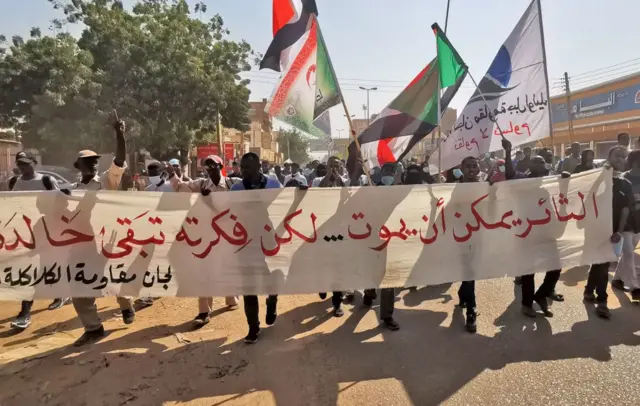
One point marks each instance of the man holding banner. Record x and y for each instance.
(214, 182)
(537, 169)
(87, 164)
(253, 179)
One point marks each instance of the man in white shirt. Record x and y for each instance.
(87, 164)
(295, 175)
(157, 183)
(214, 182)
(29, 180)
(157, 180)
(333, 177)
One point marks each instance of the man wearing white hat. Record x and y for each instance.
(87, 164)
(214, 182)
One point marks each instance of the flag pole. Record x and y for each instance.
(346, 112)
(546, 79)
(439, 128)
(446, 23)
(484, 100)
(365, 168)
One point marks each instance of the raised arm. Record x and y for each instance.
(509, 171)
(121, 146)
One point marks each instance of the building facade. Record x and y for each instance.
(598, 114)
(260, 138)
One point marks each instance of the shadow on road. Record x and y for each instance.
(301, 366)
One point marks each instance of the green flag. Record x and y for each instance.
(451, 66)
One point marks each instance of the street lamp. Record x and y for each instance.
(368, 111)
(340, 132)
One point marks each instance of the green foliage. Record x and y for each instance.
(293, 141)
(166, 71)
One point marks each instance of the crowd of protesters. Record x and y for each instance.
(253, 173)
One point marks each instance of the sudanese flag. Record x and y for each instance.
(413, 114)
(291, 20)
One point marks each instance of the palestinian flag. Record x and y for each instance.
(413, 114)
(291, 20)
(308, 87)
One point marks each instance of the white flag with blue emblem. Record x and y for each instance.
(515, 89)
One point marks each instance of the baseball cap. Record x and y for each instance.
(26, 157)
(214, 158)
(174, 162)
(87, 153)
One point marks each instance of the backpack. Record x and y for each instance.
(46, 181)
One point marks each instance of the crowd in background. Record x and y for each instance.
(252, 173)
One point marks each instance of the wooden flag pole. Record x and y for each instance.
(355, 139)
(546, 77)
(484, 100)
(446, 23)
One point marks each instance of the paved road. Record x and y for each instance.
(311, 358)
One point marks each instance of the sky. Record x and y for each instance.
(385, 43)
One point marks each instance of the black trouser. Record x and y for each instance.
(544, 291)
(336, 300)
(598, 281)
(252, 310)
(387, 301)
(467, 295)
(26, 308)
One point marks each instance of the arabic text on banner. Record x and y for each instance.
(516, 97)
(291, 241)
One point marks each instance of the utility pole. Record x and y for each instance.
(567, 90)
(368, 110)
(219, 134)
(288, 148)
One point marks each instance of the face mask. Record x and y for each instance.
(457, 173)
(501, 168)
(617, 248)
(154, 180)
(387, 180)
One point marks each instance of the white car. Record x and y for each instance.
(62, 182)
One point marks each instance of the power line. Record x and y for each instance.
(635, 61)
(606, 76)
(612, 70)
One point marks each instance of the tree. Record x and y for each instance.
(292, 140)
(47, 93)
(167, 73)
(171, 72)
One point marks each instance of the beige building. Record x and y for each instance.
(594, 116)
(260, 138)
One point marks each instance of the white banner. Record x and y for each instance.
(516, 98)
(293, 241)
